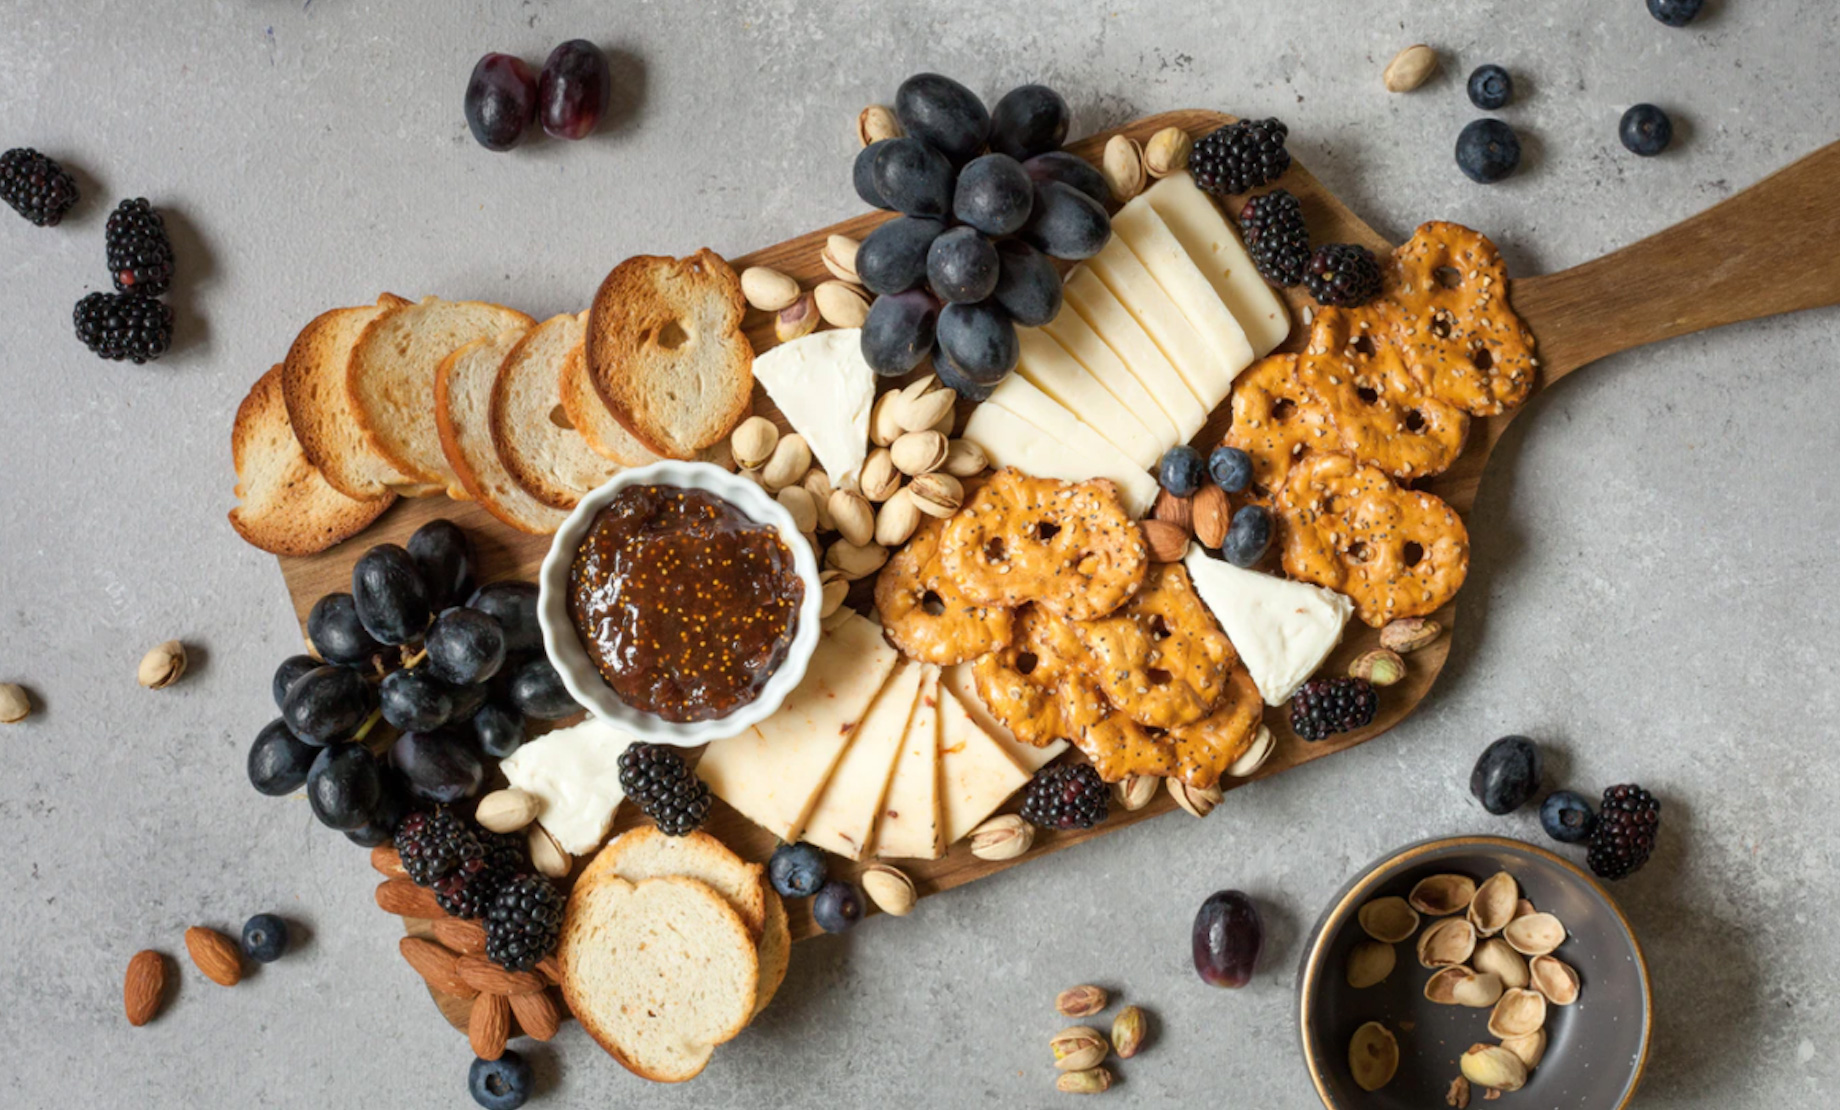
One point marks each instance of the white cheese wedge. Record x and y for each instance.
(1283, 630)
(1049, 368)
(843, 821)
(1203, 230)
(825, 390)
(1020, 426)
(975, 774)
(774, 772)
(1207, 371)
(1157, 248)
(910, 826)
(960, 681)
(574, 773)
(1077, 338)
(1136, 351)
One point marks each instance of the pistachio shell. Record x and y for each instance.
(964, 459)
(853, 516)
(1446, 943)
(875, 123)
(1197, 801)
(796, 320)
(835, 588)
(1134, 792)
(1492, 1066)
(1122, 165)
(918, 452)
(163, 665)
(1167, 152)
(1369, 963)
(798, 503)
(1254, 757)
(15, 705)
(1410, 68)
(1497, 957)
(1441, 988)
(1442, 895)
(839, 257)
(767, 289)
(892, 891)
(937, 494)
(1534, 935)
(855, 560)
(1478, 991)
(879, 479)
(842, 304)
(1493, 906)
(897, 520)
(883, 427)
(920, 413)
(753, 442)
(1373, 1056)
(1530, 1047)
(1519, 1013)
(1001, 838)
(1555, 979)
(790, 460)
(1524, 908)
(818, 484)
(1078, 1048)
(1389, 919)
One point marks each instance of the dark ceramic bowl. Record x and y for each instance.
(1596, 1048)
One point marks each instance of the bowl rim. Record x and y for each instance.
(570, 658)
(1344, 906)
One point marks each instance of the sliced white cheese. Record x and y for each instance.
(1137, 352)
(1077, 338)
(574, 773)
(1207, 372)
(1020, 426)
(843, 821)
(1049, 368)
(1283, 630)
(774, 772)
(909, 827)
(960, 681)
(975, 775)
(825, 390)
(1157, 248)
(1203, 230)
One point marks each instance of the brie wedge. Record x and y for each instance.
(825, 390)
(574, 773)
(1283, 630)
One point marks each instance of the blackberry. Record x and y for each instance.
(35, 186)
(656, 777)
(119, 326)
(523, 922)
(1065, 796)
(1627, 823)
(1276, 236)
(140, 255)
(468, 890)
(1346, 275)
(1326, 706)
(434, 843)
(1240, 157)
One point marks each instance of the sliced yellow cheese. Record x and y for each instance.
(960, 681)
(1207, 373)
(909, 827)
(1203, 230)
(1021, 426)
(1049, 368)
(1157, 248)
(1077, 338)
(774, 772)
(843, 821)
(975, 775)
(1136, 351)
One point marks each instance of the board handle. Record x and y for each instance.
(1773, 248)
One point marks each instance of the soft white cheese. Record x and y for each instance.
(826, 390)
(1283, 630)
(575, 773)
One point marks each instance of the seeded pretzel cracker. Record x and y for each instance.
(1040, 685)
(1382, 414)
(1205, 749)
(924, 613)
(1160, 658)
(1446, 300)
(1276, 420)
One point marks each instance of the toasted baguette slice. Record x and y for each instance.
(530, 428)
(391, 380)
(775, 951)
(462, 402)
(666, 353)
(606, 436)
(288, 507)
(658, 973)
(319, 408)
(646, 853)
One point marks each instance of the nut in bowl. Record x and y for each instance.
(1589, 1055)
(606, 551)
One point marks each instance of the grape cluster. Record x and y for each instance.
(568, 97)
(986, 198)
(453, 670)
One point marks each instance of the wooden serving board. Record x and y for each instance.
(1765, 251)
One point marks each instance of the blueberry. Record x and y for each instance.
(1506, 775)
(265, 938)
(1488, 150)
(1675, 13)
(837, 906)
(994, 194)
(943, 114)
(899, 331)
(290, 669)
(1182, 471)
(1029, 120)
(1247, 536)
(1567, 817)
(1230, 468)
(1646, 130)
(501, 1084)
(1490, 87)
(465, 646)
(279, 760)
(961, 266)
(796, 870)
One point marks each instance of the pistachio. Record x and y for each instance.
(1388, 919)
(1129, 1029)
(1493, 906)
(1408, 634)
(835, 588)
(15, 704)
(839, 257)
(818, 484)
(1441, 895)
(1492, 1066)
(918, 414)
(1123, 167)
(1518, 1013)
(1379, 667)
(890, 889)
(1446, 943)
(1084, 1000)
(1555, 979)
(897, 520)
(1497, 957)
(1530, 1047)
(1002, 838)
(878, 478)
(876, 123)
(841, 303)
(790, 460)
(1478, 990)
(1167, 152)
(767, 289)
(800, 318)
(753, 442)
(546, 855)
(1369, 963)
(855, 560)
(936, 494)
(507, 810)
(1441, 988)
(1373, 1056)
(804, 511)
(1524, 908)
(1534, 935)
(1134, 792)
(853, 517)
(163, 665)
(1254, 757)
(1092, 1081)
(918, 452)
(964, 459)
(1410, 68)
(883, 427)
(1198, 801)
(1078, 1048)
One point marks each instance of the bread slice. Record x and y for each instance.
(658, 973)
(319, 408)
(775, 951)
(531, 430)
(646, 853)
(666, 352)
(589, 415)
(288, 507)
(462, 402)
(391, 379)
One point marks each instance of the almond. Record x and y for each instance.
(536, 1014)
(1212, 516)
(405, 899)
(143, 992)
(387, 861)
(437, 965)
(489, 1026)
(1167, 542)
(468, 938)
(215, 954)
(551, 969)
(488, 978)
(1171, 509)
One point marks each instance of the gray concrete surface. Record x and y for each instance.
(1650, 595)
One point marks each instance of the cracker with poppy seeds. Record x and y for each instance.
(1275, 421)
(1446, 303)
(1040, 685)
(1380, 412)
(1160, 658)
(926, 615)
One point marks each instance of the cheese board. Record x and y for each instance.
(1762, 252)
